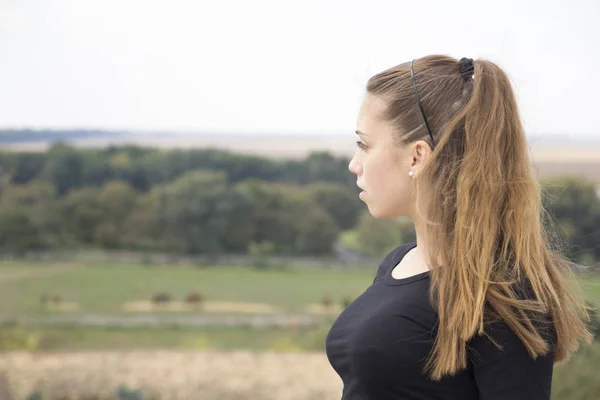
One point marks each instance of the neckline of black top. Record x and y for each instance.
(390, 280)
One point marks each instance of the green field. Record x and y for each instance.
(100, 289)
(590, 285)
(105, 288)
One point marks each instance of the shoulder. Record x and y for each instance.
(391, 258)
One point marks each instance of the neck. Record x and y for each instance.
(423, 244)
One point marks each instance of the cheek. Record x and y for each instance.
(393, 186)
(388, 192)
(374, 174)
(383, 174)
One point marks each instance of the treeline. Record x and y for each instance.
(209, 201)
(193, 201)
(69, 168)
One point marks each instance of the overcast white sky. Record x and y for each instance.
(281, 66)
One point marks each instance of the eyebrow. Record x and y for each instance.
(361, 133)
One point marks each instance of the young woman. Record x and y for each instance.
(481, 305)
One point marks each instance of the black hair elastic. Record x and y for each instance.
(412, 76)
(466, 68)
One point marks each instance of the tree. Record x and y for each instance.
(339, 201)
(574, 208)
(117, 200)
(285, 216)
(7, 166)
(107, 235)
(141, 228)
(36, 200)
(317, 166)
(198, 207)
(33, 194)
(239, 231)
(377, 236)
(323, 166)
(18, 233)
(64, 168)
(28, 167)
(267, 205)
(81, 212)
(96, 169)
(316, 231)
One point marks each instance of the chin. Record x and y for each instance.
(379, 212)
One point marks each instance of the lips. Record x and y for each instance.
(362, 191)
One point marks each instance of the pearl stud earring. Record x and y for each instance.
(411, 173)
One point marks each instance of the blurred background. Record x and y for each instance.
(177, 220)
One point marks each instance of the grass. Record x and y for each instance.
(177, 338)
(590, 286)
(578, 378)
(105, 288)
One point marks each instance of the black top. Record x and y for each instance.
(380, 343)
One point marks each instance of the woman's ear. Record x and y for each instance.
(420, 152)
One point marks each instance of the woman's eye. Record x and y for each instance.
(361, 145)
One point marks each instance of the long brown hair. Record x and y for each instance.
(483, 207)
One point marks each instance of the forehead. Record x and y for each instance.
(371, 115)
(372, 107)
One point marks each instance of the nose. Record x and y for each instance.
(354, 166)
